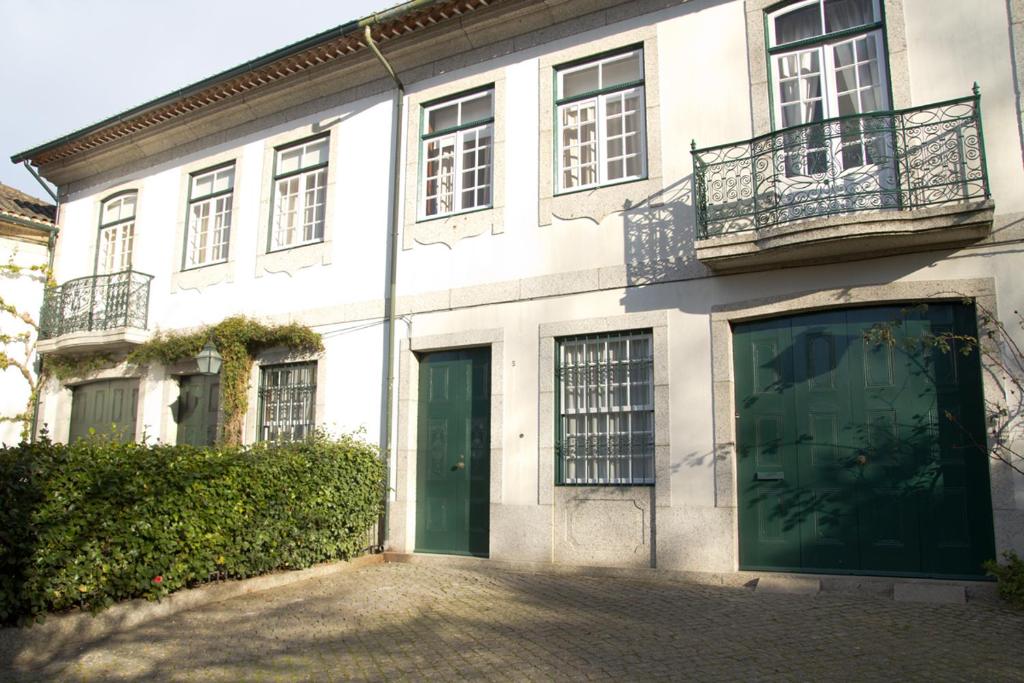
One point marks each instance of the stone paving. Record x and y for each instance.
(416, 622)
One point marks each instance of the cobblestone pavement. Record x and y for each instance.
(414, 622)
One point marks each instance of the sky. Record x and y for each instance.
(65, 64)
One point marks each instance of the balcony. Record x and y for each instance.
(97, 312)
(850, 187)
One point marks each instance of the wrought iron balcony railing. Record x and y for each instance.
(99, 302)
(902, 159)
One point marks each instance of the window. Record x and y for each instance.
(287, 401)
(300, 194)
(828, 60)
(606, 409)
(601, 129)
(117, 233)
(209, 216)
(457, 150)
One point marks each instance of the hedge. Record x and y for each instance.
(98, 521)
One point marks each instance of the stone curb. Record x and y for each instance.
(125, 615)
(810, 584)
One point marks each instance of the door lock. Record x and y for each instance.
(862, 459)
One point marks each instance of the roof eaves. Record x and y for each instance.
(326, 46)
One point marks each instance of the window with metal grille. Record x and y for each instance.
(457, 147)
(300, 194)
(605, 399)
(287, 401)
(601, 128)
(209, 216)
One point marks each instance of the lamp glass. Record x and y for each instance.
(209, 360)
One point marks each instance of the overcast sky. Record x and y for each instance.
(65, 64)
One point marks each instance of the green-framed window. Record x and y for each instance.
(601, 121)
(827, 60)
(457, 150)
(116, 233)
(300, 193)
(605, 395)
(211, 193)
(287, 401)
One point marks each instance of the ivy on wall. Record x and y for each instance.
(239, 340)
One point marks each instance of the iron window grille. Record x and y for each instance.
(116, 233)
(209, 216)
(287, 401)
(300, 193)
(605, 397)
(601, 128)
(457, 147)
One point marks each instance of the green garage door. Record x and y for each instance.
(861, 457)
(107, 407)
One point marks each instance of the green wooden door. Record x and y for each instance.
(107, 407)
(846, 461)
(453, 452)
(197, 409)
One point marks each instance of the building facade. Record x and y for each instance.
(26, 230)
(643, 252)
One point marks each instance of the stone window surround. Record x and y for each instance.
(200, 277)
(894, 33)
(599, 202)
(450, 229)
(407, 415)
(295, 258)
(657, 322)
(282, 356)
(981, 290)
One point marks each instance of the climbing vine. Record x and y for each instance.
(238, 340)
(22, 333)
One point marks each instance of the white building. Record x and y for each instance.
(26, 228)
(608, 349)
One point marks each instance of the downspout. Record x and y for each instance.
(51, 244)
(389, 298)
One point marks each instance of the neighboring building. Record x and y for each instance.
(609, 350)
(26, 227)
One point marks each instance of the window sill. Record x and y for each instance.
(201, 277)
(596, 203)
(450, 229)
(291, 259)
(592, 188)
(454, 214)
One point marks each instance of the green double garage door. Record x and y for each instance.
(857, 454)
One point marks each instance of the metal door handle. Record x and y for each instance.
(461, 464)
(862, 459)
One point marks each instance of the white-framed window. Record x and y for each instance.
(828, 61)
(209, 216)
(457, 149)
(287, 401)
(605, 392)
(117, 233)
(300, 193)
(601, 121)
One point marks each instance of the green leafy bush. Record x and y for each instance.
(98, 521)
(1010, 577)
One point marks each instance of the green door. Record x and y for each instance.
(107, 407)
(847, 459)
(197, 409)
(453, 452)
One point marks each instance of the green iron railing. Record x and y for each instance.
(904, 159)
(98, 302)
